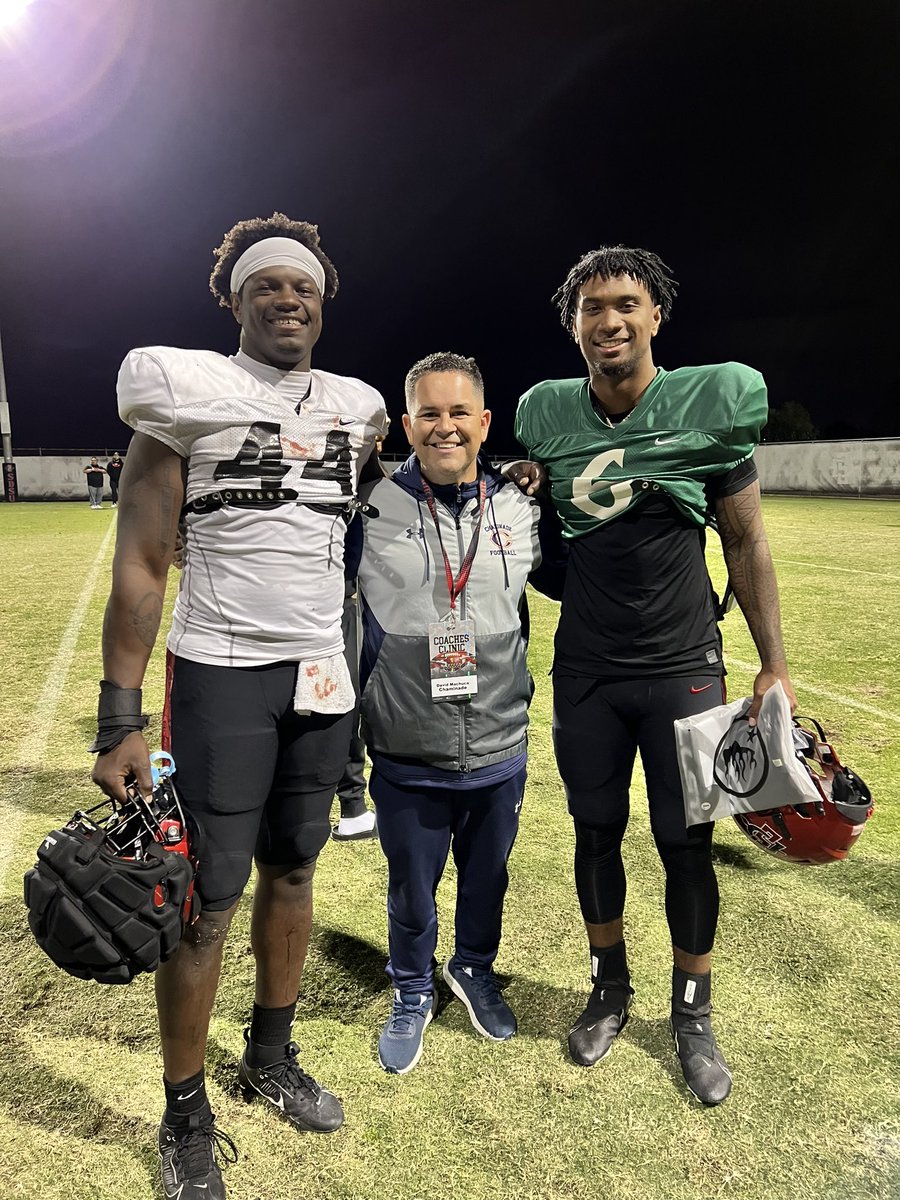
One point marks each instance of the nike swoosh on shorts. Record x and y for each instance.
(705, 687)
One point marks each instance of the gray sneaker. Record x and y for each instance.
(400, 1044)
(480, 993)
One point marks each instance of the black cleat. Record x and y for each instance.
(705, 1070)
(187, 1156)
(606, 1015)
(292, 1091)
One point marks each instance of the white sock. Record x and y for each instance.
(361, 824)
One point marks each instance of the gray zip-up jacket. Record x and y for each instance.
(403, 587)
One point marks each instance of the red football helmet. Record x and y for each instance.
(824, 830)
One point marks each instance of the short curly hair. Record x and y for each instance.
(243, 235)
(442, 360)
(641, 265)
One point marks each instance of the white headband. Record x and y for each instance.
(277, 252)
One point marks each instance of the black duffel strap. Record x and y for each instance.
(270, 498)
(241, 498)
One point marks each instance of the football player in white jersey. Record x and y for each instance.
(259, 454)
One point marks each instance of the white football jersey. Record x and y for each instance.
(258, 585)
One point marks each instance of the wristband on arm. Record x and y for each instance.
(118, 714)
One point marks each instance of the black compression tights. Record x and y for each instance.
(692, 892)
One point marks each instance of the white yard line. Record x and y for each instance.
(796, 562)
(843, 699)
(34, 748)
(716, 546)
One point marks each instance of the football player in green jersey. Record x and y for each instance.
(637, 459)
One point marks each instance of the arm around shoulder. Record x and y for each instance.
(550, 576)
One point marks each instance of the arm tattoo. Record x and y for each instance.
(145, 616)
(168, 520)
(750, 569)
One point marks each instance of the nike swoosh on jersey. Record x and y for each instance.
(346, 420)
(705, 687)
(665, 441)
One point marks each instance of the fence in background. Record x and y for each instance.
(864, 467)
(867, 467)
(57, 476)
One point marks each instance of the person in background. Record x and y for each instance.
(114, 470)
(95, 481)
(357, 823)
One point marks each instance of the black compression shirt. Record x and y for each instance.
(638, 599)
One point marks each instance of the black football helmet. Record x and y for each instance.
(112, 890)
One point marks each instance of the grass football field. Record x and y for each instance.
(805, 979)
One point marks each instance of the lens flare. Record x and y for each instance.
(66, 69)
(11, 11)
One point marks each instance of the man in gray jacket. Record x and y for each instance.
(448, 548)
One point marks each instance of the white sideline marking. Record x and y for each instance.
(796, 562)
(34, 747)
(847, 701)
(716, 546)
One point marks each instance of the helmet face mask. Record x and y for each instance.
(130, 829)
(822, 831)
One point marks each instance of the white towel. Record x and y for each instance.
(324, 686)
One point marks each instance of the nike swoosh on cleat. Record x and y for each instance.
(187, 1095)
(277, 1098)
(705, 687)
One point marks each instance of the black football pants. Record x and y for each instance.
(598, 729)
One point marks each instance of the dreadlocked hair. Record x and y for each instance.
(643, 266)
(243, 235)
(443, 360)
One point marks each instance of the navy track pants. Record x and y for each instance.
(417, 827)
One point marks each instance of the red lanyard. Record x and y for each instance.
(455, 586)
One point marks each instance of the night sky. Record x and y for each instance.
(457, 158)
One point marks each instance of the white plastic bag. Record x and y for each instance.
(729, 767)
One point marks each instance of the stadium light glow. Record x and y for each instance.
(11, 11)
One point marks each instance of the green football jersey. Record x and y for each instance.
(689, 424)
